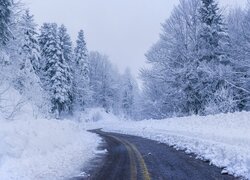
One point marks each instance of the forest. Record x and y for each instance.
(200, 65)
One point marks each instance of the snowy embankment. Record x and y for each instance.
(223, 139)
(40, 149)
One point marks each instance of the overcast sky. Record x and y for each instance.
(122, 29)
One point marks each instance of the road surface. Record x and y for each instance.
(135, 158)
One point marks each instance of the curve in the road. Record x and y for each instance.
(135, 158)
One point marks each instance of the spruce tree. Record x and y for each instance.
(81, 54)
(28, 81)
(66, 44)
(30, 45)
(29, 53)
(67, 51)
(57, 76)
(213, 62)
(5, 18)
(82, 92)
(212, 34)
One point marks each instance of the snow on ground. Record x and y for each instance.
(223, 139)
(43, 149)
(40, 149)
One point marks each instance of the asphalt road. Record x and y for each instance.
(135, 158)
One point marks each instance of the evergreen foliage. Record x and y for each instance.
(5, 19)
(82, 90)
(57, 76)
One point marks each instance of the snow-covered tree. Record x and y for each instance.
(57, 76)
(17, 47)
(30, 46)
(239, 32)
(129, 93)
(19, 67)
(5, 19)
(105, 83)
(67, 51)
(66, 44)
(29, 61)
(168, 84)
(214, 66)
(190, 64)
(82, 91)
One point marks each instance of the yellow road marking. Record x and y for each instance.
(133, 168)
(142, 163)
(133, 155)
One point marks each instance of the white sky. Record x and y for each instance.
(122, 29)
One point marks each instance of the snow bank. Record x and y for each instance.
(43, 149)
(37, 148)
(223, 139)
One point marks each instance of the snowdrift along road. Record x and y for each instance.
(223, 139)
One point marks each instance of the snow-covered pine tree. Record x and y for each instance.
(212, 34)
(82, 90)
(5, 18)
(29, 58)
(67, 50)
(214, 65)
(14, 47)
(45, 36)
(66, 44)
(29, 51)
(30, 45)
(57, 76)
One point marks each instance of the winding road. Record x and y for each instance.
(134, 158)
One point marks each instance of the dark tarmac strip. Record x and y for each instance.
(135, 158)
